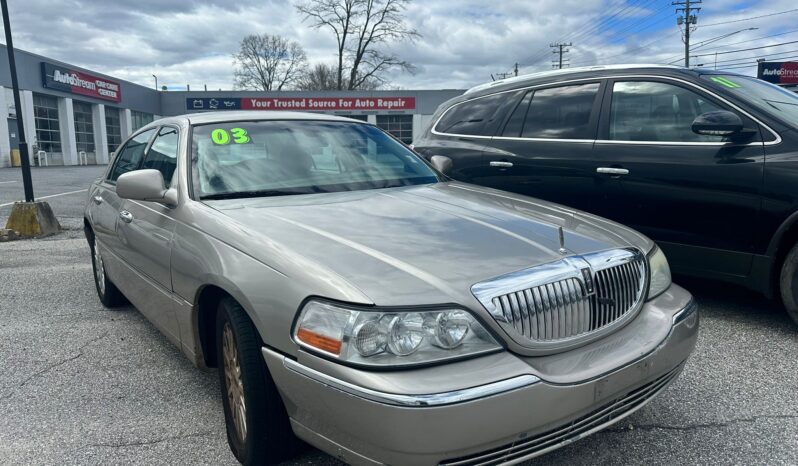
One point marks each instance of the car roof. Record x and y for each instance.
(554, 76)
(261, 115)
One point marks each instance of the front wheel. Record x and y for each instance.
(788, 283)
(258, 429)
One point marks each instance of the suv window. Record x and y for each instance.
(130, 156)
(162, 155)
(473, 117)
(655, 111)
(555, 113)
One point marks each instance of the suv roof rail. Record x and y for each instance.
(543, 74)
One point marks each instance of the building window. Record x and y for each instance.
(84, 127)
(113, 128)
(45, 115)
(400, 126)
(139, 119)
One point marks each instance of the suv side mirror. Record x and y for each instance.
(145, 185)
(441, 163)
(717, 123)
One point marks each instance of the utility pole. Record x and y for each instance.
(559, 49)
(688, 20)
(23, 144)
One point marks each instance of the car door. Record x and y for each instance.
(545, 147)
(105, 204)
(462, 131)
(697, 196)
(145, 230)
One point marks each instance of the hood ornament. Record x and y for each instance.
(562, 249)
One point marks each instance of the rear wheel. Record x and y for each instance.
(258, 429)
(108, 293)
(788, 283)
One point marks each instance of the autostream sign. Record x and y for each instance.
(301, 103)
(65, 79)
(778, 72)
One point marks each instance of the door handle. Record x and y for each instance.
(97, 199)
(612, 171)
(126, 216)
(501, 164)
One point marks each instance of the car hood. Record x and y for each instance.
(415, 245)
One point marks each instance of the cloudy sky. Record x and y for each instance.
(463, 42)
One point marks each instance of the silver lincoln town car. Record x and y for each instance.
(356, 298)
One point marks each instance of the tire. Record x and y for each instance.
(265, 437)
(108, 293)
(788, 283)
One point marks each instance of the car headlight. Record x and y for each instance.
(660, 273)
(383, 337)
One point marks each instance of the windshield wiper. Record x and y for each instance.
(246, 194)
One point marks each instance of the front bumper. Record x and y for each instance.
(496, 409)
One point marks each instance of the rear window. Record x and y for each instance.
(474, 117)
(554, 113)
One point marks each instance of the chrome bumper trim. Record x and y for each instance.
(681, 316)
(422, 400)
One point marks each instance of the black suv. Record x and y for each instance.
(703, 162)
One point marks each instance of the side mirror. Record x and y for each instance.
(718, 123)
(145, 185)
(441, 163)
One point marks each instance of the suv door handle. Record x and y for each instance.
(126, 216)
(501, 164)
(612, 171)
(97, 199)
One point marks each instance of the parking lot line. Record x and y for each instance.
(3, 182)
(48, 197)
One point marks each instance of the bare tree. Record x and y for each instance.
(269, 63)
(360, 28)
(320, 77)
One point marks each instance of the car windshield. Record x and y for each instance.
(272, 158)
(764, 95)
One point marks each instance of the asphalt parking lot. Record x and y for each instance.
(84, 385)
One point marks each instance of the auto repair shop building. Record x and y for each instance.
(76, 116)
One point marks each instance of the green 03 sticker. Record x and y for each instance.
(221, 136)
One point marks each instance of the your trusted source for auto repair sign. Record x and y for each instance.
(64, 79)
(301, 103)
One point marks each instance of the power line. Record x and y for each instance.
(587, 28)
(749, 19)
(753, 39)
(733, 61)
(737, 67)
(745, 50)
(739, 50)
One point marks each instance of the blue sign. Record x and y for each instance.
(213, 103)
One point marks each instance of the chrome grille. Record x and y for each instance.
(581, 427)
(567, 300)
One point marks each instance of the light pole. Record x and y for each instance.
(23, 144)
(156, 82)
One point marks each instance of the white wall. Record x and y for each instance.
(66, 125)
(5, 143)
(100, 133)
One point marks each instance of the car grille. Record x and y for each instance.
(568, 300)
(581, 427)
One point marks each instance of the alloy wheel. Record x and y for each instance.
(235, 388)
(99, 269)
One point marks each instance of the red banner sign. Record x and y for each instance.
(328, 103)
(77, 82)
